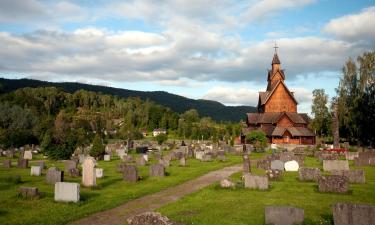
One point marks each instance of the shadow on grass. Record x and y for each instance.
(84, 197)
(109, 182)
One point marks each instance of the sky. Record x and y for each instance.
(202, 49)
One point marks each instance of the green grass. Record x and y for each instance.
(111, 191)
(213, 205)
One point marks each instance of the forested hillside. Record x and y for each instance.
(179, 104)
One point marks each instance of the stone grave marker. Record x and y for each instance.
(309, 174)
(333, 183)
(157, 170)
(365, 159)
(7, 163)
(354, 176)
(127, 158)
(107, 158)
(145, 156)
(99, 172)
(130, 173)
(351, 155)
(28, 155)
(207, 158)
(283, 215)
(277, 165)
(42, 164)
(69, 165)
(67, 192)
(141, 161)
(54, 175)
(246, 164)
(353, 214)
(23, 163)
(329, 165)
(291, 166)
(165, 162)
(28, 192)
(35, 171)
(88, 172)
(199, 155)
(183, 161)
(256, 182)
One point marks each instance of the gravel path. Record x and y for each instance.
(118, 215)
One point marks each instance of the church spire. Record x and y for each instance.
(275, 59)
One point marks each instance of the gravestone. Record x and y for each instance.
(256, 182)
(54, 175)
(66, 192)
(207, 158)
(309, 174)
(42, 164)
(199, 155)
(222, 158)
(35, 171)
(351, 155)
(99, 172)
(121, 167)
(328, 156)
(157, 156)
(283, 215)
(127, 158)
(365, 159)
(329, 165)
(145, 156)
(69, 164)
(190, 153)
(183, 161)
(353, 214)
(130, 173)
(7, 163)
(333, 183)
(88, 172)
(246, 164)
(23, 163)
(226, 183)
(107, 158)
(141, 161)
(157, 170)
(277, 165)
(165, 162)
(354, 176)
(264, 164)
(28, 192)
(10, 153)
(274, 174)
(28, 155)
(291, 166)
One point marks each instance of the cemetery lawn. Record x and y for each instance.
(213, 205)
(111, 191)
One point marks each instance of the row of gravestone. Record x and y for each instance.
(130, 172)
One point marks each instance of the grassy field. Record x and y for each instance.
(111, 191)
(240, 206)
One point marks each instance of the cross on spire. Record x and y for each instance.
(275, 47)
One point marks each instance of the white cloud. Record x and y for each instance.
(354, 27)
(232, 96)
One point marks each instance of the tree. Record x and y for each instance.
(257, 138)
(98, 149)
(161, 138)
(322, 118)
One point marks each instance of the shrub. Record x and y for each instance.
(257, 138)
(161, 138)
(98, 149)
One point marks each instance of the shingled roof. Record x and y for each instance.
(273, 131)
(273, 117)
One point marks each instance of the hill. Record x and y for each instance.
(216, 110)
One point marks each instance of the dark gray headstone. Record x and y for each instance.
(157, 170)
(23, 163)
(365, 159)
(353, 214)
(130, 173)
(69, 165)
(7, 163)
(309, 174)
(277, 165)
(283, 215)
(333, 183)
(28, 192)
(256, 182)
(54, 175)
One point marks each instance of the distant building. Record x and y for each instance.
(277, 112)
(158, 131)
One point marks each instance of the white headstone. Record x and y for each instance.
(145, 156)
(107, 157)
(28, 155)
(291, 166)
(199, 155)
(66, 192)
(36, 171)
(99, 173)
(273, 146)
(88, 172)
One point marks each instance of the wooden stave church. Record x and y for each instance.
(277, 112)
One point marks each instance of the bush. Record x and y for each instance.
(161, 138)
(257, 138)
(98, 149)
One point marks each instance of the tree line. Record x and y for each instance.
(354, 102)
(60, 122)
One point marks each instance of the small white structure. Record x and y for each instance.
(107, 158)
(291, 166)
(36, 171)
(66, 192)
(28, 155)
(159, 131)
(99, 172)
